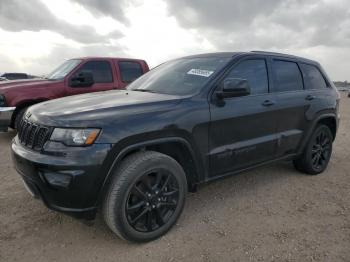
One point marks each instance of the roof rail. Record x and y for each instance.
(269, 53)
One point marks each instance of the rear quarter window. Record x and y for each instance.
(313, 78)
(286, 76)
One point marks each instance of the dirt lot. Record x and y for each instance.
(269, 214)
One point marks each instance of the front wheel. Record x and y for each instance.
(146, 196)
(18, 117)
(317, 152)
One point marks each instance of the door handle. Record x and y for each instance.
(310, 97)
(268, 103)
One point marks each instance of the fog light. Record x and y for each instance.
(57, 179)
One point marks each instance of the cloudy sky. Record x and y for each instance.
(37, 35)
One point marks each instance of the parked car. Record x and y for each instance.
(3, 78)
(75, 76)
(134, 154)
(16, 76)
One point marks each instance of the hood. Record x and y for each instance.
(100, 107)
(26, 83)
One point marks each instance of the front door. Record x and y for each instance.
(243, 129)
(102, 74)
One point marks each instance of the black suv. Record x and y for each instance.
(136, 153)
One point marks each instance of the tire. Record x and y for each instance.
(317, 152)
(19, 117)
(146, 196)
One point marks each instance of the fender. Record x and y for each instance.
(312, 128)
(198, 166)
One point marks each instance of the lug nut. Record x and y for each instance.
(153, 206)
(147, 204)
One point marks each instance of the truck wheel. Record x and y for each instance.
(145, 197)
(19, 117)
(317, 152)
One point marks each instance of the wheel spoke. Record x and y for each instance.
(166, 182)
(134, 221)
(159, 177)
(135, 207)
(149, 221)
(170, 193)
(159, 218)
(139, 192)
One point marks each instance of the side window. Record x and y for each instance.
(129, 71)
(101, 70)
(286, 76)
(255, 72)
(312, 77)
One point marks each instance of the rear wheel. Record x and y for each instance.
(317, 153)
(146, 196)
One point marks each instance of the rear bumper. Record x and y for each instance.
(68, 184)
(5, 117)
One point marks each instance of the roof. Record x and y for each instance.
(232, 54)
(105, 57)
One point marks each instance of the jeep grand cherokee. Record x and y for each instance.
(135, 153)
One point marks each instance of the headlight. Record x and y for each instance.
(75, 137)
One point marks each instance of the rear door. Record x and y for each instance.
(292, 104)
(128, 71)
(243, 129)
(103, 77)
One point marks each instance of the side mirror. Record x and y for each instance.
(233, 87)
(83, 79)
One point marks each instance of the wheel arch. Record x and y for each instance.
(329, 120)
(176, 147)
(22, 105)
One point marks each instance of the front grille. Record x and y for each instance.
(33, 135)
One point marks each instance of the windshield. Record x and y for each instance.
(184, 76)
(63, 70)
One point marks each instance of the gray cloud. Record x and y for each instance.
(112, 8)
(269, 23)
(16, 15)
(299, 26)
(60, 53)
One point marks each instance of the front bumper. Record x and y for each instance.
(45, 177)
(5, 117)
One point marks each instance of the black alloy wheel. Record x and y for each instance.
(152, 200)
(145, 197)
(317, 153)
(321, 150)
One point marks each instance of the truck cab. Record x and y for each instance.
(73, 77)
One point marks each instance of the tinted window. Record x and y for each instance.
(101, 70)
(286, 76)
(129, 71)
(312, 77)
(254, 71)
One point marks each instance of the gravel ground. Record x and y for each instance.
(272, 213)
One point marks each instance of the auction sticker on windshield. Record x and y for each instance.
(200, 72)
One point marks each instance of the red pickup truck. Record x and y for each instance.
(75, 76)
